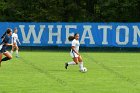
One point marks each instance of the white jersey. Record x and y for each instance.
(76, 44)
(15, 38)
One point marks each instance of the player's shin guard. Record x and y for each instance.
(16, 52)
(71, 63)
(5, 59)
(11, 52)
(81, 65)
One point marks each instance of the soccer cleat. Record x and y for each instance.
(66, 65)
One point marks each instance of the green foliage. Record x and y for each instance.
(70, 10)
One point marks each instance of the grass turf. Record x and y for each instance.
(43, 72)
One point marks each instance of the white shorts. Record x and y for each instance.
(73, 54)
(14, 43)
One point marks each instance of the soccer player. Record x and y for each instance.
(15, 40)
(4, 44)
(75, 52)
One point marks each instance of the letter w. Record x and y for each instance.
(26, 39)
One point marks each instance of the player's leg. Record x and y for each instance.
(8, 56)
(0, 58)
(17, 49)
(75, 60)
(80, 62)
(13, 47)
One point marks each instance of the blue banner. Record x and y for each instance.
(91, 34)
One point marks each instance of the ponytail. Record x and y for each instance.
(3, 35)
(70, 38)
(6, 32)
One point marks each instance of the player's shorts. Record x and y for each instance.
(3, 50)
(73, 54)
(15, 43)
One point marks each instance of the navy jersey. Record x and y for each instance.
(6, 39)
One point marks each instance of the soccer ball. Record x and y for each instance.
(84, 70)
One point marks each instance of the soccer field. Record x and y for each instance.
(44, 72)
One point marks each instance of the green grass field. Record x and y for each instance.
(43, 72)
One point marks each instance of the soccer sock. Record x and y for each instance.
(5, 59)
(11, 52)
(81, 65)
(16, 52)
(71, 63)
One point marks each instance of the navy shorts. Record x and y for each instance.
(3, 50)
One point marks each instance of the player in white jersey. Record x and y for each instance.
(75, 52)
(14, 42)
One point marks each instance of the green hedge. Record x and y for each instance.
(70, 10)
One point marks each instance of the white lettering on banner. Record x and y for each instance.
(68, 27)
(105, 29)
(58, 34)
(136, 34)
(26, 39)
(118, 29)
(86, 33)
(87, 30)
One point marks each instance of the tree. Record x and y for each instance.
(70, 10)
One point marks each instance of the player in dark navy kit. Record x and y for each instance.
(4, 44)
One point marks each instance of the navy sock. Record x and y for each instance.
(5, 59)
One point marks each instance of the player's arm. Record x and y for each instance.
(7, 44)
(13, 43)
(73, 48)
(18, 41)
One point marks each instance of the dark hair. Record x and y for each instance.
(8, 30)
(3, 35)
(70, 38)
(15, 28)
